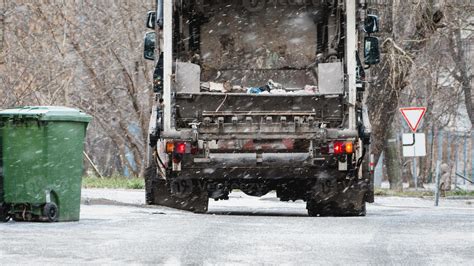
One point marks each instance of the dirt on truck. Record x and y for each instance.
(261, 96)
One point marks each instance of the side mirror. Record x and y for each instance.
(150, 45)
(151, 20)
(372, 24)
(371, 51)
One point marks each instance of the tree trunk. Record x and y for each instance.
(2, 31)
(462, 72)
(392, 160)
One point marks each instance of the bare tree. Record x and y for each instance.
(431, 86)
(401, 46)
(88, 55)
(460, 34)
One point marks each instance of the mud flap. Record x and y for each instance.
(345, 197)
(190, 197)
(197, 201)
(324, 189)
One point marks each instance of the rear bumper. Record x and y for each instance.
(266, 160)
(267, 166)
(259, 173)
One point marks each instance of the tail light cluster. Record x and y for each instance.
(338, 148)
(180, 148)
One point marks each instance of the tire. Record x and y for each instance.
(51, 212)
(332, 208)
(4, 213)
(321, 209)
(150, 176)
(158, 193)
(352, 211)
(367, 175)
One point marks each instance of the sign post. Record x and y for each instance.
(414, 145)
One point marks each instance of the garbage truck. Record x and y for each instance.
(261, 96)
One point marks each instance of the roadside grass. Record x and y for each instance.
(423, 193)
(114, 182)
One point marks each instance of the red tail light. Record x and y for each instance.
(180, 148)
(338, 148)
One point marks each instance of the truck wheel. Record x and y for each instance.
(352, 211)
(150, 176)
(158, 193)
(332, 208)
(321, 209)
(50, 211)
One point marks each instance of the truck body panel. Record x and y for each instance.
(260, 98)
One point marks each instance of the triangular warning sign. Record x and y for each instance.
(413, 116)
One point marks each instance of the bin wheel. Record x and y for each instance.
(4, 213)
(6, 218)
(50, 211)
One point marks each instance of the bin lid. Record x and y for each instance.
(46, 113)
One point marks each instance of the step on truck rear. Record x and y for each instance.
(261, 96)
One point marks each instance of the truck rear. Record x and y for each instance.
(260, 96)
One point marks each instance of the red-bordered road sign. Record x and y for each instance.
(413, 116)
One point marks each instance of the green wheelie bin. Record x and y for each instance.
(41, 163)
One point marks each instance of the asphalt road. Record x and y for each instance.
(245, 230)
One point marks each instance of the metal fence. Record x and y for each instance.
(455, 150)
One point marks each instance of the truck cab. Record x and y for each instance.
(261, 96)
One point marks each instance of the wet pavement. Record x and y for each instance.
(116, 228)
